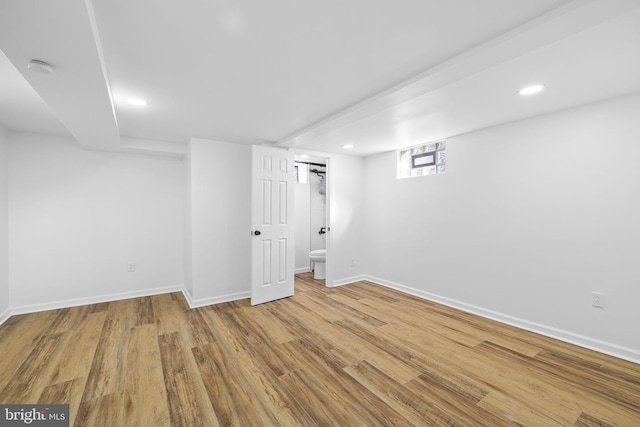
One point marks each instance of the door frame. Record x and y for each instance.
(329, 236)
(328, 239)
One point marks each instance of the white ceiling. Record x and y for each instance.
(310, 75)
(20, 106)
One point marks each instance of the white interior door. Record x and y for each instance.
(272, 216)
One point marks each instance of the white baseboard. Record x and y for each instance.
(302, 270)
(214, 300)
(570, 337)
(4, 316)
(566, 336)
(347, 280)
(32, 308)
(93, 300)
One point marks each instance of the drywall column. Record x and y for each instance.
(218, 259)
(4, 225)
(187, 259)
(346, 238)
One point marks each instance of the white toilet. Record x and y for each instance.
(319, 258)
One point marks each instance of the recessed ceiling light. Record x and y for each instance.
(347, 146)
(530, 90)
(137, 102)
(40, 66)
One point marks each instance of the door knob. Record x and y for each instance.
(256, 233)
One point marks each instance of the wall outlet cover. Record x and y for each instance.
(598, 299)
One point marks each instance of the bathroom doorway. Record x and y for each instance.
(311, 216)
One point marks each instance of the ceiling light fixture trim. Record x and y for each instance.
(530, 90)
(39, 66)
(137, 102)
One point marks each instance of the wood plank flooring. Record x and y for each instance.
(357, 355)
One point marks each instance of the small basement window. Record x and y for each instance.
(421, 160)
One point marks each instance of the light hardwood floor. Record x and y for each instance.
(357, 355)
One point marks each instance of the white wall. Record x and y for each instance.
(77, 217)
(4, 224)
(220, 221)
(346, 239)
(530, 218)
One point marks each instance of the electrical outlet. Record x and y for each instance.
(131, 267)
(353, 262)
(598, 299)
